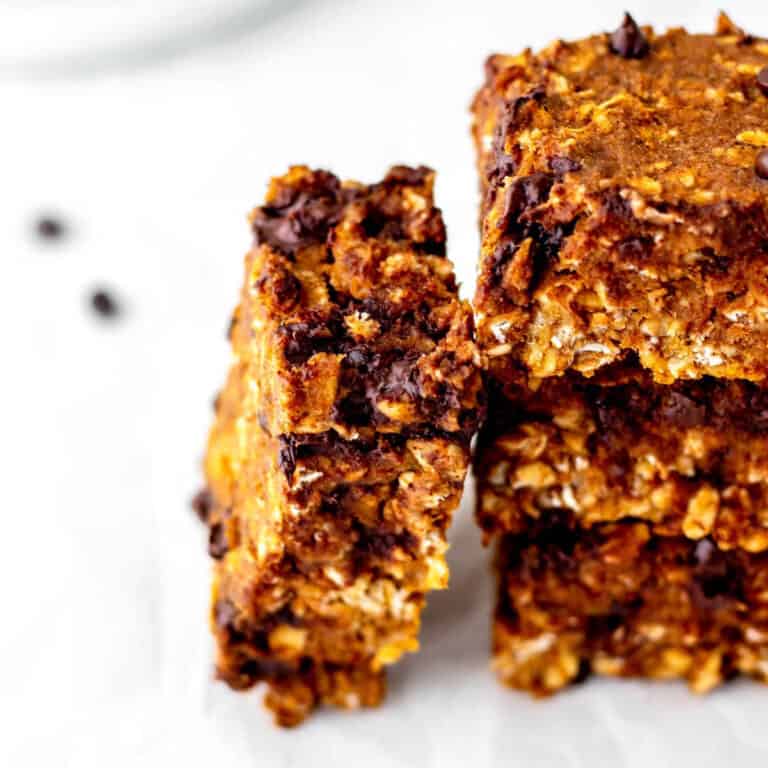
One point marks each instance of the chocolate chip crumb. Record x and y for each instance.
(50, 228)
(761, 164)
(104, 304)
(628, 41)
(762, 80)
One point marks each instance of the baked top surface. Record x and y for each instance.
(352, 283)
(625, 206)
(681, 124)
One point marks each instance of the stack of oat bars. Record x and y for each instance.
(622, 311)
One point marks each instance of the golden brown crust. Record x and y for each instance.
(623, 209)
(689, 458)
(341, 440)
(618, 601)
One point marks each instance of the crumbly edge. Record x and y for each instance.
(620, 601)
(689, 459)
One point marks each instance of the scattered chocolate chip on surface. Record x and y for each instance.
(104, 304)
(50, 228)
(761, 164)
(628, 41)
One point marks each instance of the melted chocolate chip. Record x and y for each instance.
(202, 503)
(501, 163)
(523, 194)
(761, 164)
(762, 80)
(104, 304)
(218, 545)
(50, 228)
(628, 41)
(300, 216)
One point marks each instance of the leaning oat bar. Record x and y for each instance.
(617, 600)
(341, 439)
(690, 458)
(625, 205)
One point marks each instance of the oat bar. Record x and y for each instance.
(625, 205)
(341, 439)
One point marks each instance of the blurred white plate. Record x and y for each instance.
(40, 36)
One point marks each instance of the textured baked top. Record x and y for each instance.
(352, 286)
(624, 174)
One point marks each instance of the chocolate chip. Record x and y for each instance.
(104, 304)
(762, 80)
(628, 41)
(217, 541)
(525, 193)
(202, 503)
(502, 164)
(761, 164)
(300, 215)
(50, 228)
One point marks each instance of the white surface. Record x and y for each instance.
(104, 653)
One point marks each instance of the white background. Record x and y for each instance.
(104, 651)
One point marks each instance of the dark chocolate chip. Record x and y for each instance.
(761, 164)
(50, 228)
(628, 41)
(104, 304)
(762, 80)
(525, 193)
(202, 503)
(502, 164)
(562, 165)
(217, 541)
(300, 216)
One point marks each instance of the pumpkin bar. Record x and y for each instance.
(618, 600)
(689, 458)
(625, 205)
(341, 439)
